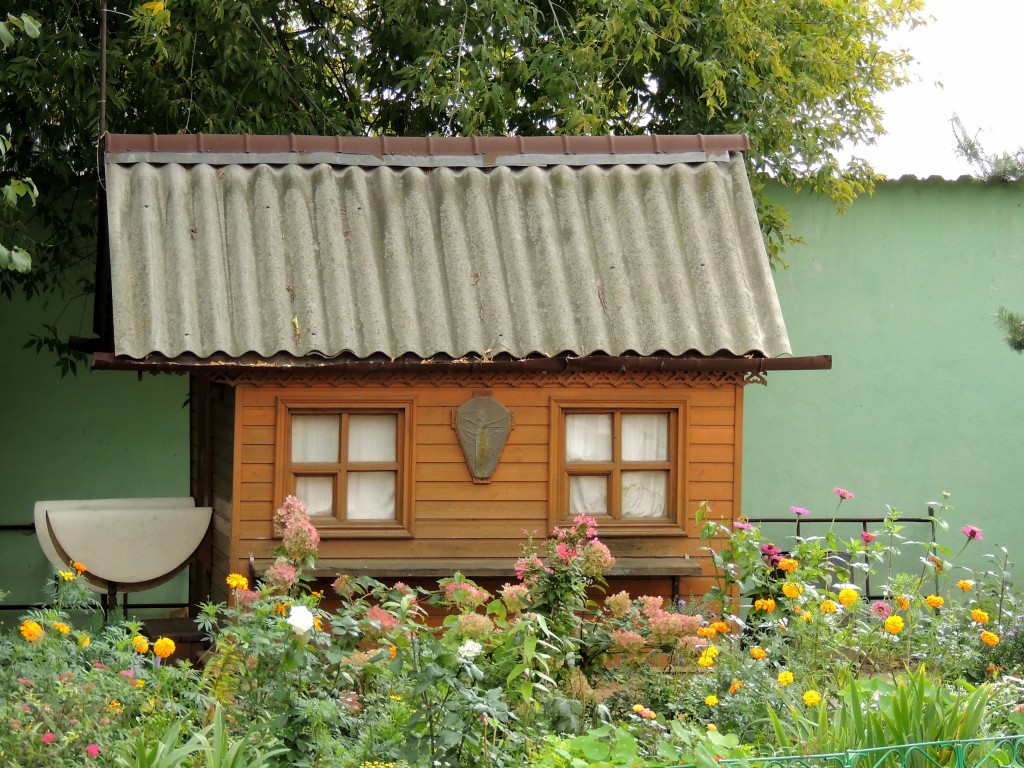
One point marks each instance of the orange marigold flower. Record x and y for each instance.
(31, 630)
(78, 567)
(965, 585)
(788, 564)
(934, 601)
(828, 606)
(392, 651)
(902, 602)
(894, 624)
(706, 632)
(163, 647)
(990, 638)
(792, 590)
(979, 616)
(67, 575)
(758, 653)
(735, 687)
(61, 627)
(140, 644)
(282, 608)
(765, 604)
(83, 640)
(848, 596)
(720, 626)
(237, 581)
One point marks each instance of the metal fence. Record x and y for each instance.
(995, 752)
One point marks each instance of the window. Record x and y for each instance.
(347, 464)
(622, 465)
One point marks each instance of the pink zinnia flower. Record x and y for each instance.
(48, 738)
(743, 526)
(881, 609)
(799, 511)
(842, 493)
(866, 537)
(93, 750)
(971, 532)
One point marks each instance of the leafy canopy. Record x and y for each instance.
(799, 77)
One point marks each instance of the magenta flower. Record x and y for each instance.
(971, 532)
(842, 493)
(866, 537)
(881, 609)
(799, 511)
(93, 750)
(742, 525)
(48, 738)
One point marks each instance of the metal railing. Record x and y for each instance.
(994, 752)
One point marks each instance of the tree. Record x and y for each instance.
(798, 76)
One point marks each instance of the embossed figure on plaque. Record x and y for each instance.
(482, 425)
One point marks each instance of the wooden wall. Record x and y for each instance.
(451, 516)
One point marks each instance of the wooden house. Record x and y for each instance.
(446, 345)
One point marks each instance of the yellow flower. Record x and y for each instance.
(712, 727)
(163, 647)
(792, 590)
(638, 708)
(806, 618)
(785, 678)
(78, 567)
(990, 638)
(720, 626)
(788, 564)
(318, 623)
(848, 596)
(61, 627)
(736, 685)
(282, 608)
(765, 604)
(902, 602)
(114, 706)
(711, 700)
(67, 575)
(708, 656)
(828, 606)
(140, 644)
(31, 630)
(140, 683)
(392, 651)
(237, 581)
(894, 624)
(934, 601)
(83, 640)
(812, 698)
(706, 632)
(154, 7)
(965, 585)
(979, 616)
(758, 653)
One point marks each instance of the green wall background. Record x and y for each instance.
(99, 434)
(924, 395)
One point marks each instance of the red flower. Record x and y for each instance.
(866, 537)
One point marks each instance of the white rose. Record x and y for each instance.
(301, 619)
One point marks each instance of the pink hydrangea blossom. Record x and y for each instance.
(465, 595)
(597, 559)
(292, 509)
(281, 575)
(515, 596)
(300, 539)
(625, 641)
(383, 621)
(473, 625)
(617, 605)
(651, 604)
(842, 493)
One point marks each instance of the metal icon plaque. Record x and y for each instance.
(482, 425)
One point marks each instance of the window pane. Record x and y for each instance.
(371, 495)
(588, 494)
(588, 437)
(645, 437)
(372, 437)
(317, 493)
(644, 494)
(315, 437)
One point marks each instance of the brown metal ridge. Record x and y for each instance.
(424, 146)
(109, 362)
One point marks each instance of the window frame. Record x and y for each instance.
(612, 524)
(336, 526)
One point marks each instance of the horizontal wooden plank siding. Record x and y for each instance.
(454, 517)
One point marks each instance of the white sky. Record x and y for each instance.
(969, 62)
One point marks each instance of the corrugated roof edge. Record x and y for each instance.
(429, 150)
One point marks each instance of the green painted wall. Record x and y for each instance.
(94, 435)
(923, 396)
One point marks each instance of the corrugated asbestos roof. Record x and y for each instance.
(518, 247)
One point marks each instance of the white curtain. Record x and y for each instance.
(588, 495)
(372, 437)
(315, 438)
(645, 437)
(644, 494)
(371, 495)
(588, 437)
(317, 493)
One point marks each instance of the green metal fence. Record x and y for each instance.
(996, 752)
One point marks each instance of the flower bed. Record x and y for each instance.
(785, 656)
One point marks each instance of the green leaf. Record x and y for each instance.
(30, 26)
(6, 38)
(20, 260)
